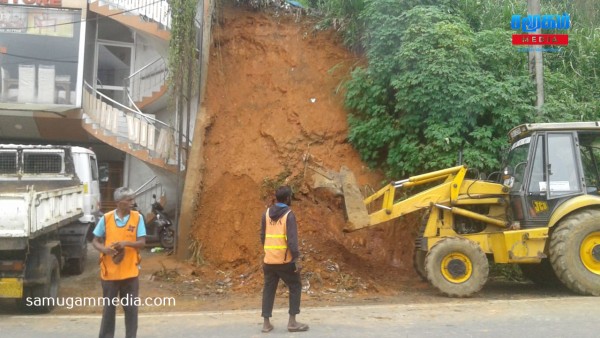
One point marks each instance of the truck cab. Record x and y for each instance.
(86, 168)
(548, 165)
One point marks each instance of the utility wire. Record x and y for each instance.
(36, 58)
(86, 20)
(71, 23)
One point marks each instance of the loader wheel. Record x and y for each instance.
(541, 274)
(575, 252)
(419, 263)
(419, 254)
(457, 267)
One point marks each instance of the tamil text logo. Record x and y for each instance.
(535, 23)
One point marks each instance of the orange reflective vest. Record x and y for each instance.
(276, 249)
(128, 267)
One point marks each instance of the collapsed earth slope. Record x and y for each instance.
(273, 99)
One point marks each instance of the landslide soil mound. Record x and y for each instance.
(273, 98)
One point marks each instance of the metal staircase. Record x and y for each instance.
(128, 128)
(131, 131)
(148, 83)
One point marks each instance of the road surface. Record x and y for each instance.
(570, 316)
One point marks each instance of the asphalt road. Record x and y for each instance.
(570, 316)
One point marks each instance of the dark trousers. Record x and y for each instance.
(126, 288)
(273, 272)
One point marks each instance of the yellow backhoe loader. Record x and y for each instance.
(542, 212)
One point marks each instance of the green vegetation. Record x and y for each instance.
(506, 272)
(183, 64)
(442, 75)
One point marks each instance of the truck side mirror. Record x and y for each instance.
(103, 173)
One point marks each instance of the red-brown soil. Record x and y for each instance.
(273, 96)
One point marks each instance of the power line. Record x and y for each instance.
(86, 20)
(36, 58)
(62, 59)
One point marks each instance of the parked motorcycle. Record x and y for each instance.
(159, 227)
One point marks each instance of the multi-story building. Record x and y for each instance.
(93, 74)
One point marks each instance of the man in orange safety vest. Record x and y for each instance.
(119, 235)
(279, 236)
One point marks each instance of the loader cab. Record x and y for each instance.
(548, 164)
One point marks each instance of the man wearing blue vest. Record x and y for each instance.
(279, 236)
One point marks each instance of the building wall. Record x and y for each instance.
(41, 49)
(138, 172)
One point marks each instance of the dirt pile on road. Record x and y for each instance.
(272, 98)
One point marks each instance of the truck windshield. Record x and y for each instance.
(517, 161)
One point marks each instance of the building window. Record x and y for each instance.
(39, 54)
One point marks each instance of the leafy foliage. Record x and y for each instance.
(427, 92)
(443, 76)
(182, 45)
(342, 15)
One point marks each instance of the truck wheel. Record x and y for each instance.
(23, 301)
(541, 274)
(76, 266)
(49, 289)
(575, 252)
(457, 267)
(167, 238)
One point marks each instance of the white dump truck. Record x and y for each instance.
(49, 198)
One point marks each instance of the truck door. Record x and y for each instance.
(94, 188)
(554, 175)
(86, 168)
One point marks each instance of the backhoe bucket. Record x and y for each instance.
(344, 183)
(356, 210)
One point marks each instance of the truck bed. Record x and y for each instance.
(32, 210)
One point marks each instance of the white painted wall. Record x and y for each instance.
(137, 172)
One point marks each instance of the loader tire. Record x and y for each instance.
(419, 263)
(419, 254)
(457, 267)
(575, 252)
(421, 248)
(541, 274)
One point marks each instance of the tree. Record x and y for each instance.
(433, 86)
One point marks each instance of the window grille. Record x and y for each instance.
(40, 163)
(8, 162)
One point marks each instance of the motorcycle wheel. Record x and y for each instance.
(167, 238)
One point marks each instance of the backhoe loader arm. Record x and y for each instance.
(454, 190)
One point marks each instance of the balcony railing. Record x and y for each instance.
(147, 80)
(138, 130)
(155, 10)
(144, 195)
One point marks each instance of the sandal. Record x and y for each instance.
(300, 328)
